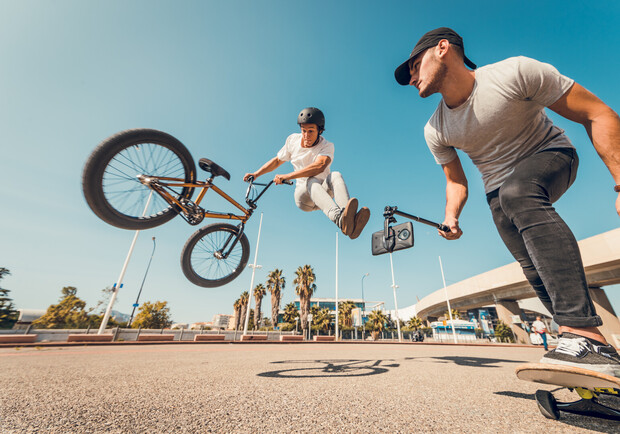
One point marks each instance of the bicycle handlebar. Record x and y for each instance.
(252, 202)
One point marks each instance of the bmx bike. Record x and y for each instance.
(142, 178)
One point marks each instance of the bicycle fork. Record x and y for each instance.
(225, 250)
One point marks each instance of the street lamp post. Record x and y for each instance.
(363, 305)
(142, 285)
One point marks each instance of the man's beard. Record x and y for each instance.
(436, 80)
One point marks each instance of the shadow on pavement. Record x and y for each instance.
(331, 368)
(478, 362)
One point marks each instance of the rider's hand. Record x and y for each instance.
(247, 177)
(455, 231)
(279, 179)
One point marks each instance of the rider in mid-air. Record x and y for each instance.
(317, 187)
(496, 115)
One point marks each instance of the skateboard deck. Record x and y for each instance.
(588, 384)
(566, 376)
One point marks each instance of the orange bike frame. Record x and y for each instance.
(204, 186)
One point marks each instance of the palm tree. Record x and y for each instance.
(290, 313)
(376, 321)
(414, 323)
(305, 287)
(237, 308)
(455, 314)
(275, 285)
(345, 309)
(245, 299)
(322, 319)
(259, 293)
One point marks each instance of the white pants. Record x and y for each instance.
(330, 196)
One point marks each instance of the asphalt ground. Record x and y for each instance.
(276, 388)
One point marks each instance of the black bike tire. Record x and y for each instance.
(186, 256)
(94, 169)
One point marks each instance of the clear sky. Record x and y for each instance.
(228, 79)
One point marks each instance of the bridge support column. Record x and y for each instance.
(505, 310)
(611, 324)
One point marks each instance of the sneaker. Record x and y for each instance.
(579, 352)
(361, 218)
(347, 218)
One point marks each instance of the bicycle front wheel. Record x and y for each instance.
(215, 255)
(110, 178)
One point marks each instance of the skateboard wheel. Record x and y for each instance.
(547, 404)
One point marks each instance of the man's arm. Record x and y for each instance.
(320, 164)
(456, 196)
(269, 166)
(600, 121)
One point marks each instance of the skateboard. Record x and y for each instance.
(589, 385)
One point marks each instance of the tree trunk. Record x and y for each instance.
(303, 312)
(275, 308)
(242, 317)
(257, 313)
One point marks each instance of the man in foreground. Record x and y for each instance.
(495, 114)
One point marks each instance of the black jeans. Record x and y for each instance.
(540, 240)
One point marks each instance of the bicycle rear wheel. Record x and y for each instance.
(110, 178)
(213, 256)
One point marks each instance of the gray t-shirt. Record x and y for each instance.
(503, 120)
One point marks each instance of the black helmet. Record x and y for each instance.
(312, 115)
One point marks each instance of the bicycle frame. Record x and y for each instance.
(161, 184)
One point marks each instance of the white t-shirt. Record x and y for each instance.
(302, 157)
(539, 326)
(503, 121)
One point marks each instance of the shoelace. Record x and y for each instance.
(572, 347)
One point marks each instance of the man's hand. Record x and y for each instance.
(455, 231)
(279, 179)
(247, 176)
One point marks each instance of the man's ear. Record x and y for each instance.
(442, 48)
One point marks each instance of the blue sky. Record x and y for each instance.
(228, 78)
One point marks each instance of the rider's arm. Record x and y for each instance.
(269, 166)
(319, 165)
(601, 123)
(456, 196)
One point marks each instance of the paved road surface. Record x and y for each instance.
(274, 388)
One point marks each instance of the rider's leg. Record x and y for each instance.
(322, 199)
(303, 200)
(355, 221)
(335, 183)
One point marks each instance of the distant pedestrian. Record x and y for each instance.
(540, 329)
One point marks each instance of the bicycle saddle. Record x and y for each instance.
(214, 169)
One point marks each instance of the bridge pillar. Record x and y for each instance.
(611, 324)
(505, 310)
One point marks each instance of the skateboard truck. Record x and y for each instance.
(588, 405)
(398, 237)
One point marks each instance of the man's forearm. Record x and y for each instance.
(269, 166)
(456, 197)
(604, 131)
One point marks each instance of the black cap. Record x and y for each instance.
(427, 41)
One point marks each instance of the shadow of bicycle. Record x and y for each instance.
(331, 368)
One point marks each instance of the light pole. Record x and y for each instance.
(363, 305)
(141, 286)
(119, 283)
